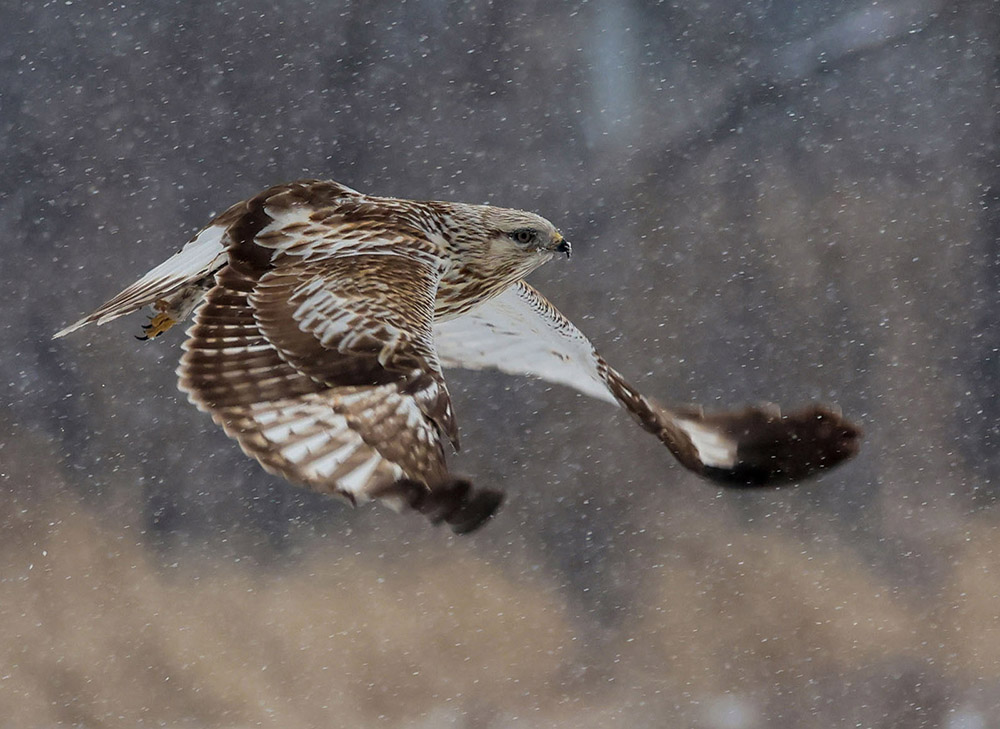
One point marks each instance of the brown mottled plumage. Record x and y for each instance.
(323, 318)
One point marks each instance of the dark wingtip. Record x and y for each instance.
(775, 449)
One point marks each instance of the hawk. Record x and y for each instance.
(324, 319)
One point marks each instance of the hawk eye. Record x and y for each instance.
(523, 235)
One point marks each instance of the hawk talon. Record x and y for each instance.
(157, 324)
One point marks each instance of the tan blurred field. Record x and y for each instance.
(99, 632)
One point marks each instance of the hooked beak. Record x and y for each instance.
(563, 246)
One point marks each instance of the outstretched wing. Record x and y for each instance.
(323, 367)
(205, 254)
(521, 333)
(200, 257)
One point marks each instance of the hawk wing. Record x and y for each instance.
(205, 254)
(200, 257)
(323, 367)
(521, 333)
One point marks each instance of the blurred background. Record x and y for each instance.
(768, 200)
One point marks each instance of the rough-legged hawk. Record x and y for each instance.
(323, 319)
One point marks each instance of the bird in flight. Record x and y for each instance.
(324, 319)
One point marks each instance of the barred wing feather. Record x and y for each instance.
(330, 384)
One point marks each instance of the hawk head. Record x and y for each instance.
(491, 247)
(516, 234)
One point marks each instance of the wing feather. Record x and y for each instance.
(521, 333)
(323, 367)
(206, 253)
(198, 259)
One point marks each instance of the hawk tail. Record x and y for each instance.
(455, 503)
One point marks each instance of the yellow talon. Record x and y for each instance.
(157, 325)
